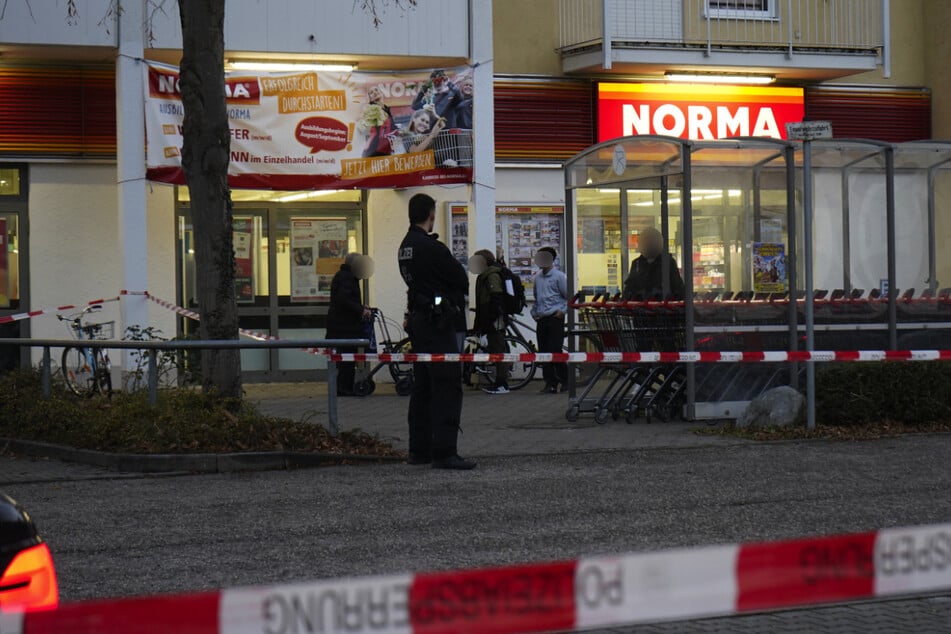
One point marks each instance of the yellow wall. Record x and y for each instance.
(908, 47)
(526, 36)
(938, 73)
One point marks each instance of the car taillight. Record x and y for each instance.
(29, 582)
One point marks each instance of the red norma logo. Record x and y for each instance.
(695, 111)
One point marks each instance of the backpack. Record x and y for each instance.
(513, 300)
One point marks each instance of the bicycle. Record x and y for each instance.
(87, 371)
(520, 373)
(400, 371)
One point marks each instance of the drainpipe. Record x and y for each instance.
(789, 54)
(606, 43)
(886, 39)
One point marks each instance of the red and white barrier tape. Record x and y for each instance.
(5, 319)
(607, 591)
(251, 334)
(824, 356)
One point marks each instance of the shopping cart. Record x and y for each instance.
(452, 147)
(623, 389)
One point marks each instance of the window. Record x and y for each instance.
(748, 9)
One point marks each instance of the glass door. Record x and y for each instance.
(309, 247)
(252, 281)
(286, 254)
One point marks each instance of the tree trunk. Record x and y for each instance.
(205, 155)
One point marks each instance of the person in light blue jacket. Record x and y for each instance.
(551, 306)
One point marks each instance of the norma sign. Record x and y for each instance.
(809, 130)
(691, 111)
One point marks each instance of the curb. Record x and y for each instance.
(191, 463)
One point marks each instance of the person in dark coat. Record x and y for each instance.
(654, 275)
(436, 288)
(345, 318)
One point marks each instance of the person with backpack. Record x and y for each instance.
(490, 312)
(551, 305)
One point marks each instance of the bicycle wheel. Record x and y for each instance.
(400, 369)
(521, 372)
(78, 375)
(103, 383)
(475, 374)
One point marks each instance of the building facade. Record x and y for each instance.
(81, 221)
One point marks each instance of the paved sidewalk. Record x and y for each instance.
(524, 422)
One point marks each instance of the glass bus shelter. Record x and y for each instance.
(731, 214)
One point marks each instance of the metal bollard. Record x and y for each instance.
(332, 426)
(153, 377)
(47, 372)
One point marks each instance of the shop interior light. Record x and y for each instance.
(712, 78)
(305, 195)
(289, 66)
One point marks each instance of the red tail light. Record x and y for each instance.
(29, 582)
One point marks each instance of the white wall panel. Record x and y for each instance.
(436, 28)
(73, 241)
(48, 22)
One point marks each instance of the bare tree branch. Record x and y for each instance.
(377, 8)
(29, 7)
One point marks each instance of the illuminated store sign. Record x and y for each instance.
(696, 111)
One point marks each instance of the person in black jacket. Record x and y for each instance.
(346, 315)
(654, 275)
(437, 286)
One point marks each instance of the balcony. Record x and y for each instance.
(789, 39)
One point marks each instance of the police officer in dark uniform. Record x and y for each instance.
(437, 286)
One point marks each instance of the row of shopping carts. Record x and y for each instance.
(623, 390)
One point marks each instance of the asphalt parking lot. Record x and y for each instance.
(123, 534)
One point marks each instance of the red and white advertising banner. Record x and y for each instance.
(326, 130)
(696, 111)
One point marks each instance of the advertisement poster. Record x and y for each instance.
(769, 267)
(459, 222)
(520, 230)
(614, 270)
(527, 232)
(243, 260)
(318, 248)
(592, 235)
(771, 229)
(4, 267)
(326, 130)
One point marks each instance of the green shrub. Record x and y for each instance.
(904, 392)
(183, 421)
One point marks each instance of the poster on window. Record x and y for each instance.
(520, 230)
(459, 223)
(592, 235)
(318, 248)
(769, 267)
(242, 236)
(527, 232)
(325, 129)
(4, 267)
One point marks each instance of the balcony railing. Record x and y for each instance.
(842, 26)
